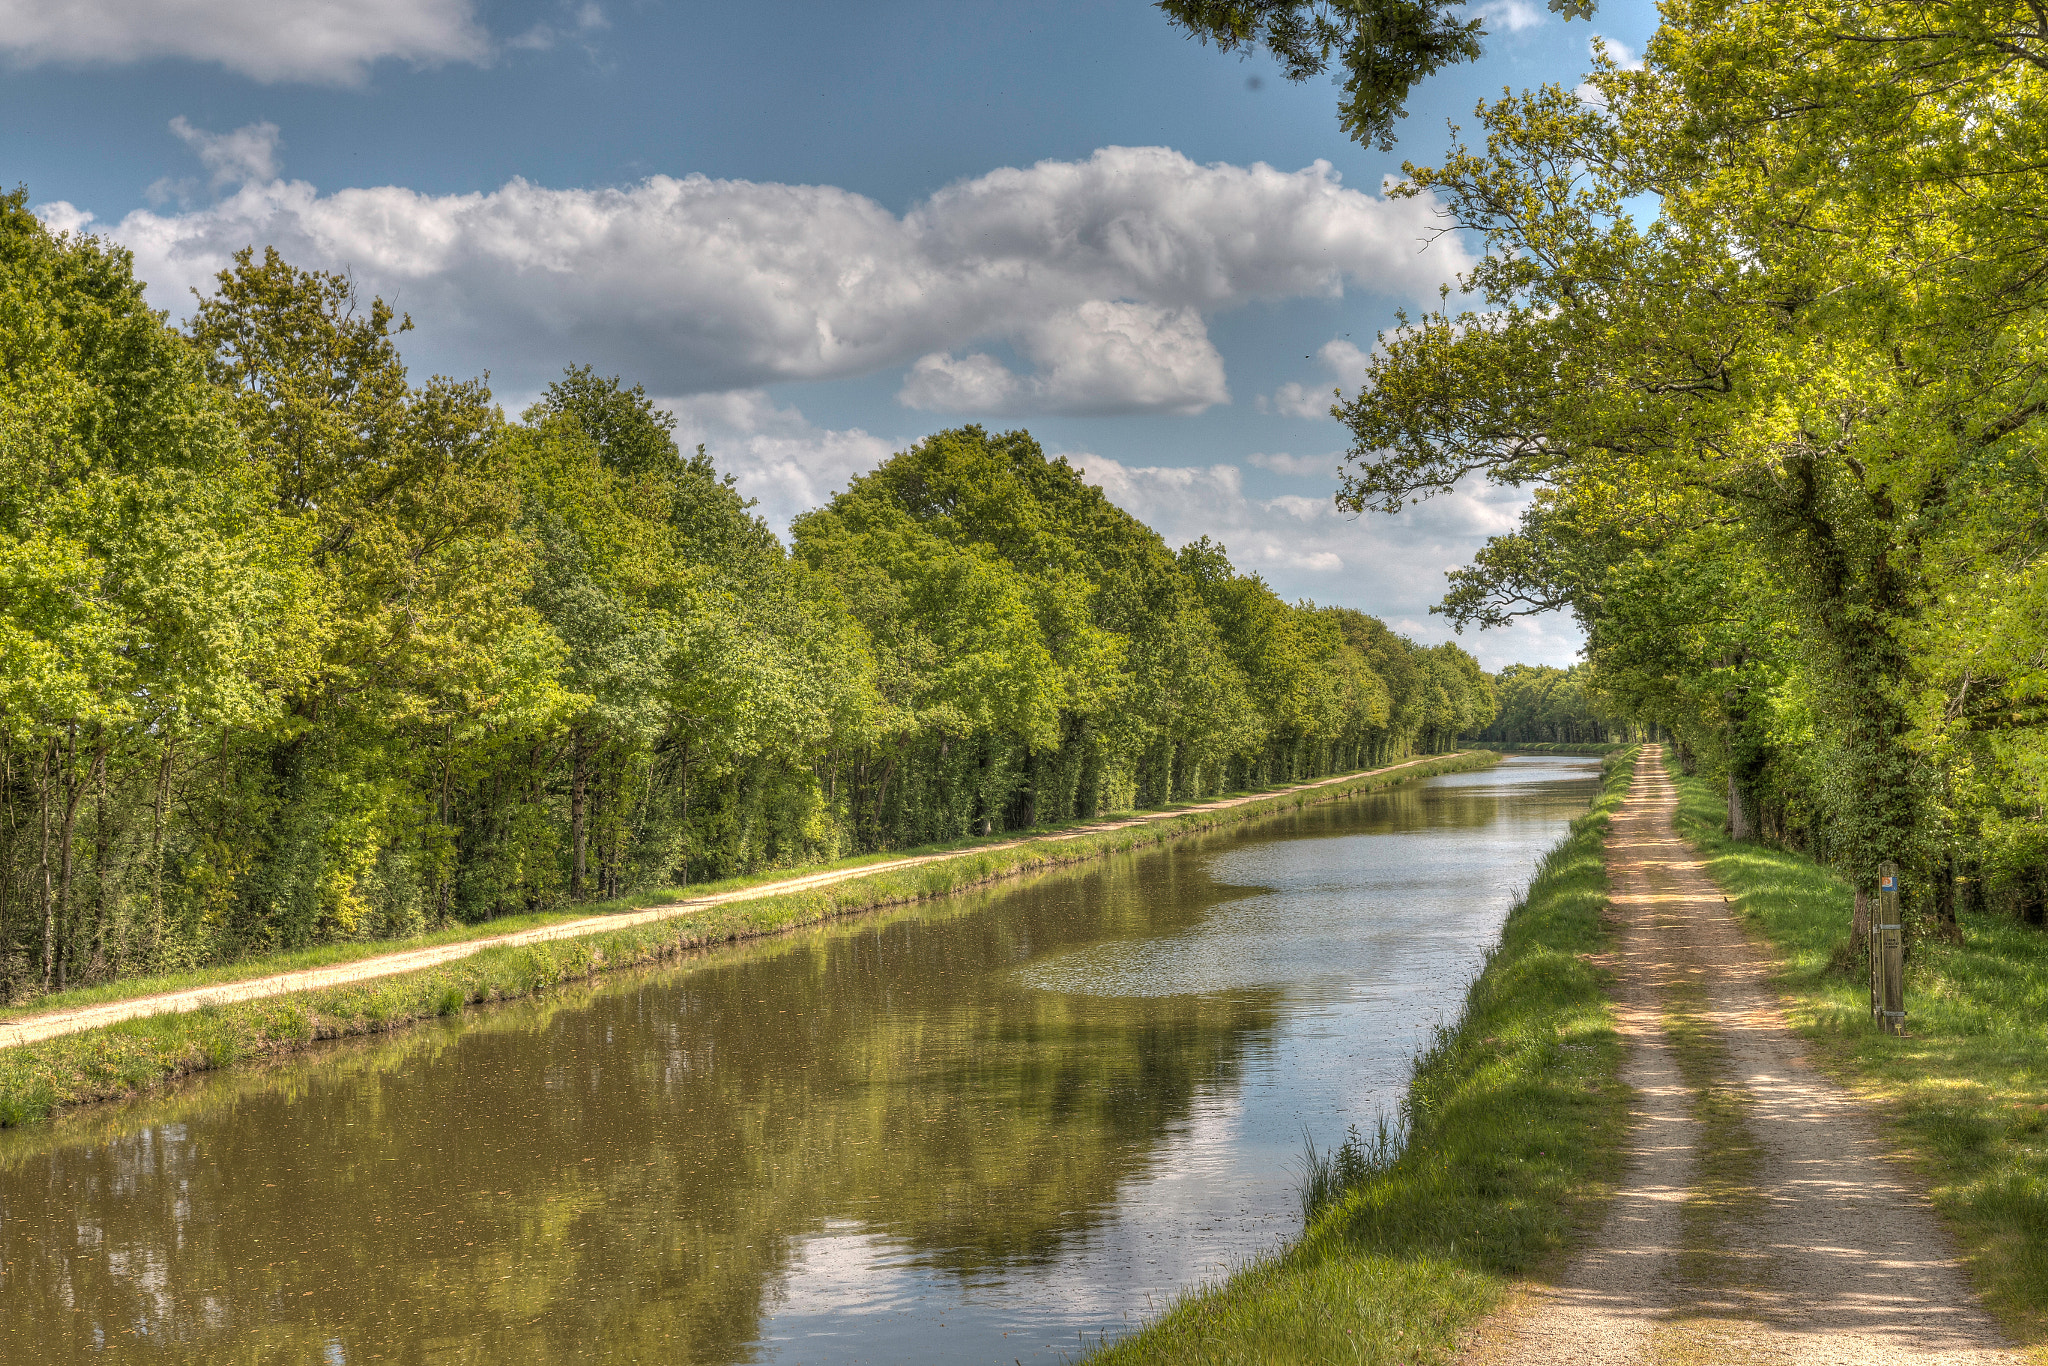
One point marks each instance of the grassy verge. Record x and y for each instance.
(1965, 1092)
(119, 1060)
(1515, 1120)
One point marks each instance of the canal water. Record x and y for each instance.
(996, 1128)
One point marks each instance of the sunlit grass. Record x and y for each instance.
(1965, 1091)
(120, 1059)
(1515, 1120)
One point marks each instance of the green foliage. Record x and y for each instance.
(1514, 1119)
(1785, 424)
(295, 652)
(1540, 705)
(1385, 47)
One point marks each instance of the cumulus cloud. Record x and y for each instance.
(776, 455)
(1099, 271)
(324, 41)
(1508, 16)
(247, 155)
(977, 383)
(1303, 546)
(1345, 365)
(1299, 466)
(1103, 356)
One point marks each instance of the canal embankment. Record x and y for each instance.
(119, 1047)
(1514, 1124)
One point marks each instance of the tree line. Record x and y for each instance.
(1541, 704)
(1764, 322)
(294, 649)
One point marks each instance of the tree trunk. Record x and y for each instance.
(1946, 925)
(1741, 824)
(579, 784)
(102, 849)
(43, 843)
(686, 811)
(156, 858)
(73, 790)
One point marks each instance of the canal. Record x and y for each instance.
(987, 1129)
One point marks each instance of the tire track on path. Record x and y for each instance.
(1760, 1217)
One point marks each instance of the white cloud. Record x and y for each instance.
(1300, 466)
(325, 41)
(1103, 356)
(249, 153)
(776, 455)
(697, 285)
(1625, 57)
(977, 383)
(1508, 16)
(1345, 364)
(1115, 356)
(1393, 567)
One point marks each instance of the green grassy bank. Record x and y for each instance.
(1965, 1092)
(120, 1060)
(1515, 1119)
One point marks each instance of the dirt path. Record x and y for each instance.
(1759, 1219)
(32, 1028)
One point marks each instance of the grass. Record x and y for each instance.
(1964, 1093)
(1515, 1119)
(120, 1060)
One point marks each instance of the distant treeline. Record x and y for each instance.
(1544, 705)
(294, 650)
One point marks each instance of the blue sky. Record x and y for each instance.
(820, 231)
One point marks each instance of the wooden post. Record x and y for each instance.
(1888, 950)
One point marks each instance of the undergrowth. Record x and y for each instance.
(1515, 1119)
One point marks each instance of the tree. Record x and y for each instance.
(1790, 383)
(1385, 47)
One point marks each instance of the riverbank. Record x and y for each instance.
(1964, 1093)
(207, 1028)
(1515, 1119)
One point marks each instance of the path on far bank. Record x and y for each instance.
(34, 1028)
(1760, 1217)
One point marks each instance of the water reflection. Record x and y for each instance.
(970, 1132)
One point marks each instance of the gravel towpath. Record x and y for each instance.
(1759, 1217)
(26, 1029)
